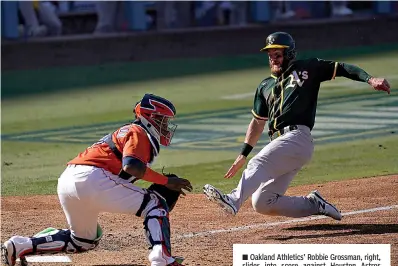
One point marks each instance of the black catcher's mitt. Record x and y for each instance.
(172, 190)
(171, 196)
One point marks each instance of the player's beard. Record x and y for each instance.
(276, 69)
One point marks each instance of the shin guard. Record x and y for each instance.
(53, 240)
(157, 232)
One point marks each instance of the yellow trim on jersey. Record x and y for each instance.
(273, 76)
(35, 4)
(274, 46)
(259, 117)
(280, 107)
(335, 70)
(273, 96)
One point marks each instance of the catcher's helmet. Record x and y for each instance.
(155, 113)
(281, 40)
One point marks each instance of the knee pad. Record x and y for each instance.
(62, 240)
(157, 229)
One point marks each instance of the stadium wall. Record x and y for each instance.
(193, 43)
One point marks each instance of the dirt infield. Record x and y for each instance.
(123, 241)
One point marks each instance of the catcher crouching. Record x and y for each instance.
(101, 178)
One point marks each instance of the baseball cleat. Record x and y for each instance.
(178, 259)
(325, 208)
(175, 263)
(23, 261)
(221, 199)
(8, 253)
(11, 250)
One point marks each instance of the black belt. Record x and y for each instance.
(282, 131)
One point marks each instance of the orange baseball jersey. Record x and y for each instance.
(131, 140)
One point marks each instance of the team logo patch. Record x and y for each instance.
(271, 40)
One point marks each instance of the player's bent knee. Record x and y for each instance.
(264, 203)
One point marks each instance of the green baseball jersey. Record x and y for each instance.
(291, 99)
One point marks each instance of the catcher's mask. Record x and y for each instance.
(156, 113)
(282, 40)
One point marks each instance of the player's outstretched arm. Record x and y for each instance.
(327, 70)
(356, 73)
(253, 134)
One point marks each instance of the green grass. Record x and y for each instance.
(107, 103)
(33, 168)
(330, 163)
(89, 77)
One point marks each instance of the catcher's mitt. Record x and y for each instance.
(171, 196)
(172, 190)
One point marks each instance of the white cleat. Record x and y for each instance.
(8, 253)
(218, 197)
(325, 208)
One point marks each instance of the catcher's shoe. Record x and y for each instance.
(325, 207)
(175, 263)
(220, 198)
(11, 250)
(8, 253)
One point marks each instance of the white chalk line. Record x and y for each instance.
(266, 225)
(39, 258)
(233, 229)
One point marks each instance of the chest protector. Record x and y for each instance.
(154, 149)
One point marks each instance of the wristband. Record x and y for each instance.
(247, 148)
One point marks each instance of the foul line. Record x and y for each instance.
(47, 259)
(265, 225)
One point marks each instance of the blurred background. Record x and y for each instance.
(34, 19)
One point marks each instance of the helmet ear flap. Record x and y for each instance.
(291, 52)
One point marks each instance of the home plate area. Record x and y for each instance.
(204, 235)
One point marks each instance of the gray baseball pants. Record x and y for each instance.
(269, 173)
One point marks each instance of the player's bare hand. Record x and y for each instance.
(178, 184)
(236, 166)
(380, 84)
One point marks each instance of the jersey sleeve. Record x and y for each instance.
(260, 107)
(325, 69)
(137, 145)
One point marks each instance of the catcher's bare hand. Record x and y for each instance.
(380, 84)
(239, 162)
(178, 184)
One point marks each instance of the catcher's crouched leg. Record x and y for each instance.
(159, 202)
(52, 240)
(157, 232)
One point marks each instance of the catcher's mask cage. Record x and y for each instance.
(159, 113)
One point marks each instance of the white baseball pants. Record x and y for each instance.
(269, 173)
(86, 191)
